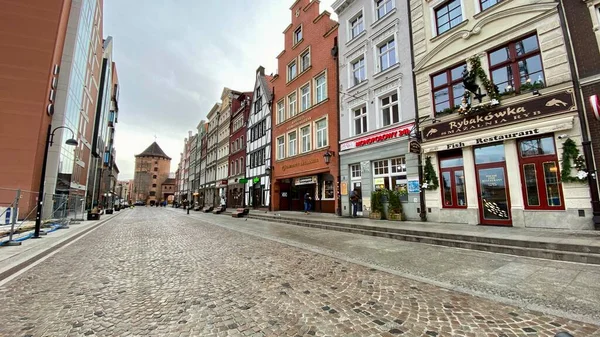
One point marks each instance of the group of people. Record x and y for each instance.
(354, 200)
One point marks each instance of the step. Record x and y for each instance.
(544, 253)
(452, 236)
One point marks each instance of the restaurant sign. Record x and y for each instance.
(382, 136)
(532, 109)
(305, 180)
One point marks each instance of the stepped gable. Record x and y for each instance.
(153, 151)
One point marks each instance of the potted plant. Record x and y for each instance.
(395, 208)
(376, 205)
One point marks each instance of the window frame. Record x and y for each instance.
(281, 154)
(386, 42)
(302, 96)
(383, 4)
(293, 63)
(390, 105)
(324, 86)
(324, 130)
(302, 137)
(448, 85)
(304, 67)
(452, 171)
(289, 145)
(358, 18)
(539, 161)
(441, 5)
(513, 61)
(281, 118)
(364, 117)
(361, 70)
(481, 9)
(292, 112)
(298, 35)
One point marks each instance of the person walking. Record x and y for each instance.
(307, 200)
(354, 199)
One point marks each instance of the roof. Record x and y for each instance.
(169, 181)
(153, 151)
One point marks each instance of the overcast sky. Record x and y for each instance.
(175, 56)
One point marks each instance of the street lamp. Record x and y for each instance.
(327, 156)
(49, 142)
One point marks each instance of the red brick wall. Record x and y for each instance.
(235, 106)
(318, 32)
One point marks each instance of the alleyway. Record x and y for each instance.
(160, 272)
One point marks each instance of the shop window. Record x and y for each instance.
(328, 191)
(540, 173)
(517, 66)
(453, 180)
(448, 89)
(390, 174)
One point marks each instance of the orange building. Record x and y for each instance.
(31, 44)
(305, 113)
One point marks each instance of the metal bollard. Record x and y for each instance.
(188, 210)
(563, 334)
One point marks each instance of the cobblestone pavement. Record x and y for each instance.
(153, 272)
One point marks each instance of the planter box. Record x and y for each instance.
(375, 216)
(93, 216)
(397, 217)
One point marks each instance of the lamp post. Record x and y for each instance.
(49, 142)
(268, 171)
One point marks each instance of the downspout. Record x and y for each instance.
(422, 206)
(338, 210)
(586, 143)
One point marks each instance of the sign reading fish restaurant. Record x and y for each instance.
(532, 109)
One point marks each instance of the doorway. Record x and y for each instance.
(356, 185)
(492, 185)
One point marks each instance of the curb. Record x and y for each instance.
(15, 269)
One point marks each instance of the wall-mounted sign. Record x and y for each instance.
(243, 180)
(413, 186)
(255, 180)
(379, 137)
(305, 180)
(299, 164)
(344, 188)
(414, 147)
(532, 109)
(595, 108)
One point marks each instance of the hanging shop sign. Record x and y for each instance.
(305, 180)
(548, 104)
(414, 147)
(379, 137)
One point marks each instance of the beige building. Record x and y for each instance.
(152, 168)
(495, 133)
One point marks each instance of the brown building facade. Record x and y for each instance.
(305, 118)
(152, 169)
(240, 109)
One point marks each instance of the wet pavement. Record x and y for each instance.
(159, 272)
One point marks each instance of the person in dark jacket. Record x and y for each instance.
(307, 200)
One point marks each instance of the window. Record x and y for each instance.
(453, 180)
(517, 66)
(321, 88)
(305, 97)
(280, 111)
(257, 101)
(328, 191)
(485, 4)
(391, 174)
(540, 173)
(305, 134)
(152, 193)
(292, 70)
(387, 54)
(360, 120)
(448, 89)
(292, 144)
(357, 25)
(448, 15)
(355, 171)
(292, 104)
(389, 109)
(155, 169)
(358, 71)
(154, 176)
(280, 147)
(153, 185)
(321, 127)
(305, 60)
(298, 35)
(383, 7)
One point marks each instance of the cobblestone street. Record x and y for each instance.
(156, 272)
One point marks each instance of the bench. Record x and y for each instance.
(240, 212)
(219, 210)
(93, 216)
(207, 209)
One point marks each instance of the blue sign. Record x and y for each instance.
(413, 186)
(7, 220)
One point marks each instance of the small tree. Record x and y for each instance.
(377, 200)
(395, 204)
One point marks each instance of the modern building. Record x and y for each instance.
(582, 21)
(503, 131)
(152, 168)
(211, 156)
(305, 131)
(377, 104)
(258, 143)
(240, 109)
(224, 119)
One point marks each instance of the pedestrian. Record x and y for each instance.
(307, 200)
(354, 199)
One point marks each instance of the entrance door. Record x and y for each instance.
(356, 185)
(492, 186)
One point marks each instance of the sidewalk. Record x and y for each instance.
(15, 258)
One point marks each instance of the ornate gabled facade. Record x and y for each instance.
(501, 127)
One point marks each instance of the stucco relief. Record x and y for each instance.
(387, 87)
(386, 34)
(353, 55)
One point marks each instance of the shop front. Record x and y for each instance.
(220, 193)
(235, 196)
(319, 187)
(258, 192)
(503, 166)
(379, 160)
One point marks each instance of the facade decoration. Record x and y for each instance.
(429, 176)
(571, 154)
(472, 90)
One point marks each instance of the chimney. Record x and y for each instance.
(261, 71)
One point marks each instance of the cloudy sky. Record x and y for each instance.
(175, 56)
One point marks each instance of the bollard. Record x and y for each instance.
(188, 210)
(563, 334)
(13, 221)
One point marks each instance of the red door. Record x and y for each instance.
(492, 186)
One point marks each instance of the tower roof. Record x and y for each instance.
(153, 151)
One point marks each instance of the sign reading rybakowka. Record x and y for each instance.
(382, 136)
(539, 107)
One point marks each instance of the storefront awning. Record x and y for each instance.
(500, 134)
